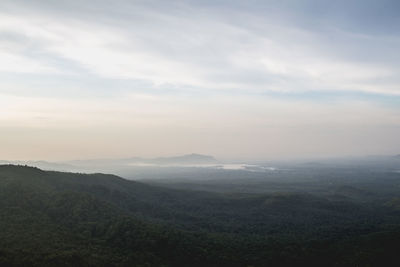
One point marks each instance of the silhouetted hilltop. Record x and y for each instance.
(185, 159)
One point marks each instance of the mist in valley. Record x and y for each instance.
(199, 133)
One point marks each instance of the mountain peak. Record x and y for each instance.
(186, 159)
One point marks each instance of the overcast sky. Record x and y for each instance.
(233, 79)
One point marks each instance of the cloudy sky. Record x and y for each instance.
(234, 79)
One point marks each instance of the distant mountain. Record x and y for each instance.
(103, 162)
(189, 159)
(184, 160)
(117, 166)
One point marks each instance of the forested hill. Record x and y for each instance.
(68, 219)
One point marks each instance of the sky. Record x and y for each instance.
(234, 79)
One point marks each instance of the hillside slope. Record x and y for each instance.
(65, 219)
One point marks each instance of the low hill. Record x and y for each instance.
(185, 159)
(192, 159)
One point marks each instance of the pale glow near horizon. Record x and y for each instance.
(148, 79)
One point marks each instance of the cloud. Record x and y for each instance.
(191, 47)
(251, 78)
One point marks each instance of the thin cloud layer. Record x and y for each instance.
(205, 47)
(252, 78)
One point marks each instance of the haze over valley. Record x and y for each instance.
(200, 133)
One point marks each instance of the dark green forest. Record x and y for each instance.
(68, 219)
